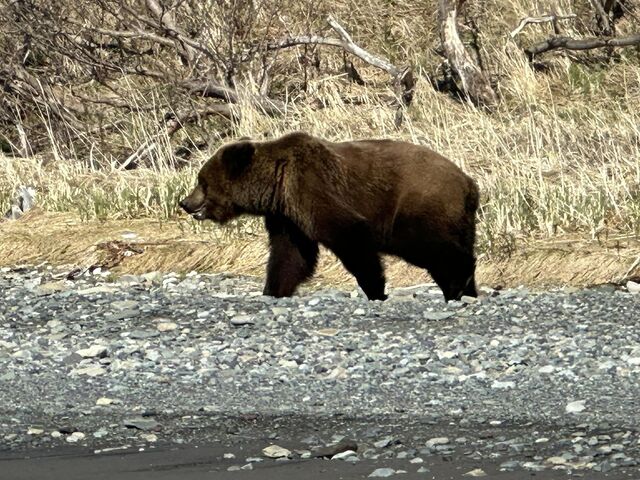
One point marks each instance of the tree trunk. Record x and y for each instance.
(474, 83)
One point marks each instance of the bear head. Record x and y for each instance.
(219, 180)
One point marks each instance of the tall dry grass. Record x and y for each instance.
(561, 155)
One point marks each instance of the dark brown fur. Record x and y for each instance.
(358, 198)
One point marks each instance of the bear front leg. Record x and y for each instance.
(292, 258)
(355, 248)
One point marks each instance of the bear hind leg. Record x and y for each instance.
(292, 258)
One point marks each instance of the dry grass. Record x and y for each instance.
(63, 239)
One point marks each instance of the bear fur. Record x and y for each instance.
(358, 198)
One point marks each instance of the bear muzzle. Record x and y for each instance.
(196, 211)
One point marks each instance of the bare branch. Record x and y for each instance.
(348, 44)
(544, 19)
(208, 88)
(174, 123)
(568, 43)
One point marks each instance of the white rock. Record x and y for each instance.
(93, 351)
(575, 407)
(432, 442)
(359, 311)
(90, 371)
(498, 385)
(229, 455)
(240, 320)
(104, 401)
(149, 437)
(75, 437)
(478, 472)
(327, 332)
(275, 451)
(546, 369)
(166, 326)
(446, 355)
(35, 431)
(344, 455)
(633, 287)
(382, 472)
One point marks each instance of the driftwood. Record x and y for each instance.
(475, 84)
(568, 43)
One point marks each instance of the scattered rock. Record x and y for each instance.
(275, 451)
(382, 472)
(166, 326)
(477, 472)
(95, 351)
(575, 407)
(240, 320)
(142, 423)
(433, 442)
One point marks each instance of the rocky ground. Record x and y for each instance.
(206, 370)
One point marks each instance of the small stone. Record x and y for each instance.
(423, 470)
(416, 460)
(35, 431)
(75, 437)
(240, 320)
(104, 401)
(359, 311)
(437, 316)
(344, 455)
(149, 437)
(166, 326)
(437, 441)
(546, 369)
(382, 472)
(248, 466)
(633, 287)
(90, 371)
(556, 461)
(477, 472)
(141, 423)
(229, 455)
(275, 451)
(575, 407)
(385, 442)
(327, 332)
(95, 351)
(233, 468)
(467, 299)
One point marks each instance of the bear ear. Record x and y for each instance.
(236, 158)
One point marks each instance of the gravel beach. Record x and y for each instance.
(206, 370)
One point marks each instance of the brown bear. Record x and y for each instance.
(358, 198)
